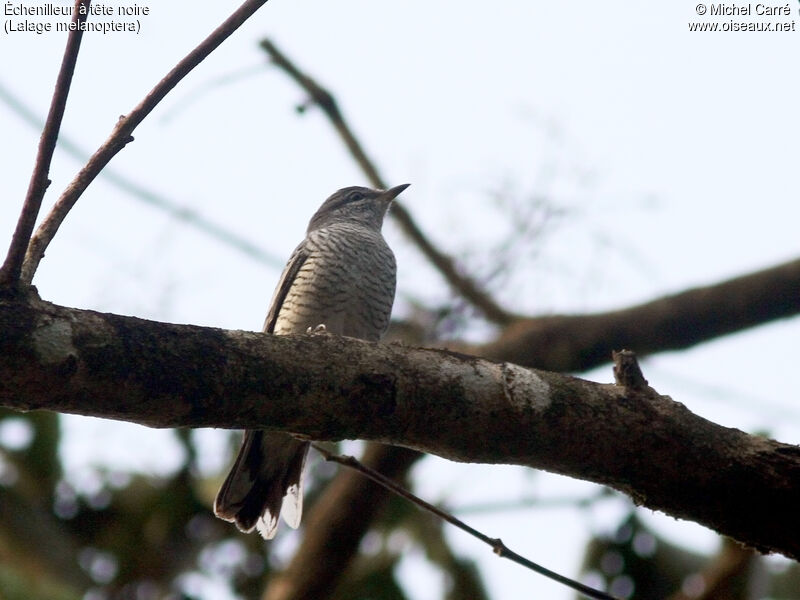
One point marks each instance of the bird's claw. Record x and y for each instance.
(321, 328)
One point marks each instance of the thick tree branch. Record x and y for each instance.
(459, 281)
(12, 267)
(121, 135)
(459, 407)
(579, 342)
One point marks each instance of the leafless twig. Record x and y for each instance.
(462, 283)
(180, 212)
(121, 134)
(537, 502)
(496, 544)
(12, 267)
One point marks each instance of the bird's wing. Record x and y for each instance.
(299, 256)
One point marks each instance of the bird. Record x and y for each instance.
(340, 279)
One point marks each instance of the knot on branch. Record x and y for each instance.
(627, 372)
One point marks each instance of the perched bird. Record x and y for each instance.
(342, 276)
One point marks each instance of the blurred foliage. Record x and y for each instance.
(142, 537)
(635, 562)
(135, 537)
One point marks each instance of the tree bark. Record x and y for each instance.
(460, 407)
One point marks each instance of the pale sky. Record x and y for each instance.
(674, 152)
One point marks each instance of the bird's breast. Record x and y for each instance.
(347, 283)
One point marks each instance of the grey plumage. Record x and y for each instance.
(342, 275)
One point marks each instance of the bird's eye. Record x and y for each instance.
(355, 196)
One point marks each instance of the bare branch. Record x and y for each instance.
(579, 342)
(496, 544)
(12, 267)
(180, 212)
(460, 282)
(460, 407)
(121, 135)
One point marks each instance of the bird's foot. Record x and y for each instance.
(319, 329)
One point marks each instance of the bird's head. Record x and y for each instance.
(355, 204)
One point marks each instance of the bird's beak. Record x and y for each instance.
(390, 194)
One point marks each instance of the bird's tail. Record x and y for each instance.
(265, 478)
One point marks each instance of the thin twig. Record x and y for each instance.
(12, 267)
(462, 283)
(536, 502)
(181, 212)
(497, 545)
(121, 134)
